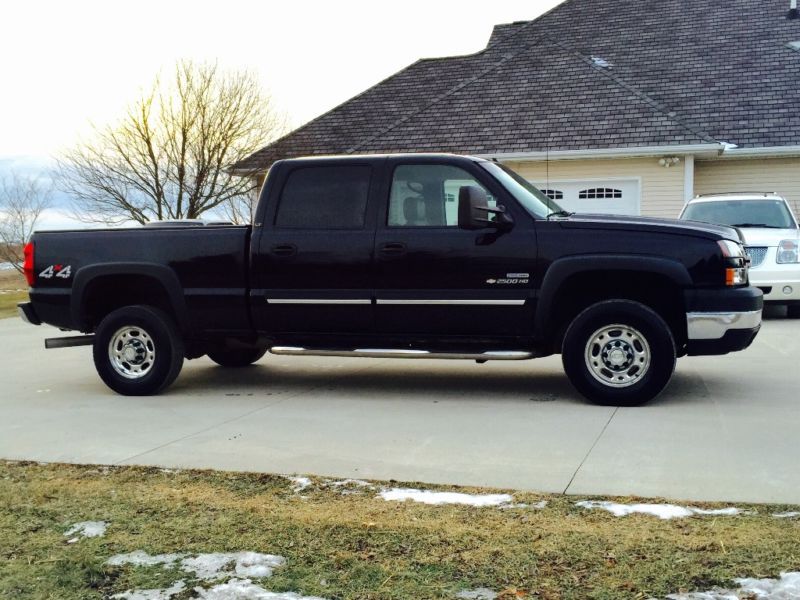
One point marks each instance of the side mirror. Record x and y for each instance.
(474, 211)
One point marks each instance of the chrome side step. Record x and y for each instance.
(402, 353)
(69, 341)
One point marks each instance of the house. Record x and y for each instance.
(622, 106)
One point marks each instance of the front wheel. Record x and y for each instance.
(239, 357)
(138, 350)
(619, 353)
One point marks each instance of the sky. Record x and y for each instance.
(68, 64)
(65, 65)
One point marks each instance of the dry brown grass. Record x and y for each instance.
(360, 546)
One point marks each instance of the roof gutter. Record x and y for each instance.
(699, 150)
(764, 151)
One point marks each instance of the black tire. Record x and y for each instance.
(237, 357)
(138, 333)
(793, 311)
(632, 356)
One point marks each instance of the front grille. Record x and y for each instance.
(757, 255)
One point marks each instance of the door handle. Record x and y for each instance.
(393, 248)
(284, 250)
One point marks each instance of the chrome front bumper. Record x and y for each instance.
(714, 325)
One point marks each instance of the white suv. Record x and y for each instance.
(772, 239)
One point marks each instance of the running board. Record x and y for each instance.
(69, 342)
(401, 353)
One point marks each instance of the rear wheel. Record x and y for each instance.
(239, 357)
(619, 353)
(138, 350)
(793, 311)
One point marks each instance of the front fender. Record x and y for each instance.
(564, 268)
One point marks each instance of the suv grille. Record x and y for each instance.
(757, 255)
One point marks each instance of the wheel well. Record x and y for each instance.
(109, 292)
(581, 290)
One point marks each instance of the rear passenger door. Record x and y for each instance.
(312, 270)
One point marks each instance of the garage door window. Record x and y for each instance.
(599, 194)
(554, 194)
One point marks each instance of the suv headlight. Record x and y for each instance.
(788, 252)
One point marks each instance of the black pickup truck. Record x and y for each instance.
(403, 256)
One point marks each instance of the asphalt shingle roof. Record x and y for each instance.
(681, 73)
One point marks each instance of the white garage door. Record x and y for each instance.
(613, 196)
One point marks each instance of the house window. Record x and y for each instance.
(554, 194)
(599, 193)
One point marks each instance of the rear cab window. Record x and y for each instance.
(324, 197)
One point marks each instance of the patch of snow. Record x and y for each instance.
(300, 483)
(785, 588)
(6, 266)
(662, 511)
(477, 594)
(351, 482)
(159, 594)
(140, 558)
(244, 589)
(430, 497)
(86, 529)
(787, 515)
(246, 564)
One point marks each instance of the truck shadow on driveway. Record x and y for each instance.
(415, 383)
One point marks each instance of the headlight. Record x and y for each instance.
(787, 252)
(734, 252)
(731, 249)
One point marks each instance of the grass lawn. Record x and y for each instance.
(345, 541)
(10, 282)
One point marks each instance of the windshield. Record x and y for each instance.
(535, 202)
(742, 213)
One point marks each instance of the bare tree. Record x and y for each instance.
(22, 201)
(169, 156)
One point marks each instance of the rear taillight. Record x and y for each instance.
(27, 265)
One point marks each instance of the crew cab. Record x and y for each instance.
(771, 235)
(403, 256)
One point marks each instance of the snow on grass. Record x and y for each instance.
(662, 511)
(477, 594)
(244, 589)
(140, 558)
(431, 497)
(165, 594)
(300, 483)
(787, 515)
(245, 564)
(785, 588)
(208, 567)
(86, 529)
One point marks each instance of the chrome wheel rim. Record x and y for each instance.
(617, 355)
(132, 352)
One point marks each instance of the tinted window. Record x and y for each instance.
(324, 198)
(427, 195)
(741, 213)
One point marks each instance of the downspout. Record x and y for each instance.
(688, 177)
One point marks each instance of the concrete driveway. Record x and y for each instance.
(727, 428)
